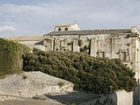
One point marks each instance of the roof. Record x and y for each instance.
(63, 25)
(89, 32)
(27, 38)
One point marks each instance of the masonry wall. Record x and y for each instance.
(119, 45)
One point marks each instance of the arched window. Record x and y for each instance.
(66, 29)
(59, 29)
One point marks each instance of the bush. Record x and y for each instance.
(24, 77)
(87, 73)
(11, 57)
(60, 84)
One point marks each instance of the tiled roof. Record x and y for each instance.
(89, 32)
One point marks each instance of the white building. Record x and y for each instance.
(67, 27)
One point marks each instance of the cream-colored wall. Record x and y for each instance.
(75, 27)
(124, 98)
(70, 27)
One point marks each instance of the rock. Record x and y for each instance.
(4, 98)
(40, 97)
(31, 84)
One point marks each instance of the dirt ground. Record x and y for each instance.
(74, 98)
(30, 102)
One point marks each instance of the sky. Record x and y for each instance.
(38, 17)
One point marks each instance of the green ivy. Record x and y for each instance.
(11, 57)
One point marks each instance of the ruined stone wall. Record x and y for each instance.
(122, 47)
(111, 46)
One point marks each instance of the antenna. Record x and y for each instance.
(75, 21)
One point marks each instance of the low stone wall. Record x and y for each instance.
(118, 98)
(124, 98)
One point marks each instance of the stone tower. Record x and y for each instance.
(67, 27)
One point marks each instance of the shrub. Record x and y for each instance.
(24, 77)
(60, 84)
(80, 42)
(87, 73)
(11, 56)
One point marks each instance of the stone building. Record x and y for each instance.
(123, 44)
(66, 27)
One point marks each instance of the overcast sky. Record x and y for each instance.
(37, 17)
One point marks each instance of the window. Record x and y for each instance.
(101, 54)
(123, 56)
(59, 29)
(66, 29)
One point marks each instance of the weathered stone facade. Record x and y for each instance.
(116, 43)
